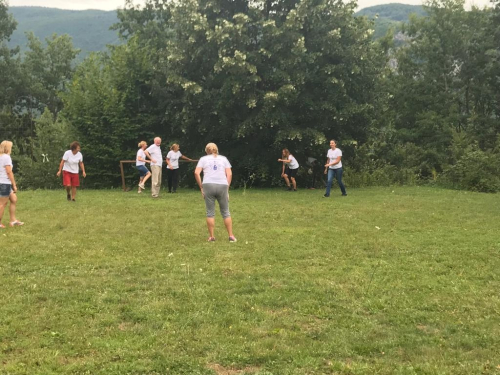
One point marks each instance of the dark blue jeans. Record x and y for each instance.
(337, 173)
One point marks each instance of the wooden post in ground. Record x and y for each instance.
(123, 173)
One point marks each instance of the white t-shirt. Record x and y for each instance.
(294, 164)
(333, 155)
(5, 161)
(214, 169)
(72, 161)
(174, 157)
(142, 154)
(155, 152)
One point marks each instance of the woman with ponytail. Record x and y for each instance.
(140, 163)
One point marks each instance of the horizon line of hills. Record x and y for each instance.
(90, 29)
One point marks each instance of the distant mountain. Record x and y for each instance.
(390, 16)
(88, 28)
(394, 12)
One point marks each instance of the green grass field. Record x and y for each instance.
(385, 281)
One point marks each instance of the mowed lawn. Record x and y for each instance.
(402, 280)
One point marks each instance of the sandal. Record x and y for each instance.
(2, 226)
(16, 223)
(211, 239)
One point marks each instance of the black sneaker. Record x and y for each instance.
(73, 200)
(344, 195)
(288, 189)
(326, 196)
(68, 197)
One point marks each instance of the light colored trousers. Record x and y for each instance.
(219, 193)
(155, 180)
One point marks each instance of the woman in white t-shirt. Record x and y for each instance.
(290, 169)
(8, 187)
(217, 177)
(71, 163)
(140, 163)
(172, 160)
(333, 167)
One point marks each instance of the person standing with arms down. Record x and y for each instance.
(217, 176)
(153, 152)
(8, 187)
(71, 161)
(140, 163)
(290, 169)
(172, 160)
(333, 167)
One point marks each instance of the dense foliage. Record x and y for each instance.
(250, 78)
(255, 77)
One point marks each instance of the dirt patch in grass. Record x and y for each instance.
(221, 370)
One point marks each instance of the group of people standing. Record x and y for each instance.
(217, 176)
(70, 165)
(333, 169)
(155, 156)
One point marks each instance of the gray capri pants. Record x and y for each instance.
(216, 192)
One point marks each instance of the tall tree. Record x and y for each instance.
(442, 82)
(257, 76)
(48, 70)
(9, 74)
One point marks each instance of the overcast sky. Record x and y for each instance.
(114, 4)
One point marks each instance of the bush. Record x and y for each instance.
(383, 175)
(38, 171)
(372, 165)
(476, 170)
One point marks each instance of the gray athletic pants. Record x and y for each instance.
(217, 192)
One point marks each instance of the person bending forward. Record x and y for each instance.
(71, 161)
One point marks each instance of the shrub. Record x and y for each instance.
(476, 170)
(53, 137)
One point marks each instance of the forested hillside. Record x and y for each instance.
(388, 16)
(88, 28)
(393, 12)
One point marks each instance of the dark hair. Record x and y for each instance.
(333, 140)
(74, 145)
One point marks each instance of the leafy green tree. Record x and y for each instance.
(48, 70)
(110, 105)
(52, 138)
(257, 76)
(442, 82)
(9, 76)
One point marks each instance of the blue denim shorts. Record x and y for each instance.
(142, 170)
(5, 190)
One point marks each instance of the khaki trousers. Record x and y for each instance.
(155, 180)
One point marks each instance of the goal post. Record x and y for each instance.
(124, 185)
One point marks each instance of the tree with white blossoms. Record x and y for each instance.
(255, 76)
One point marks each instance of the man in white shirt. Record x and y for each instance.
(334, 167)
(153, 152)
